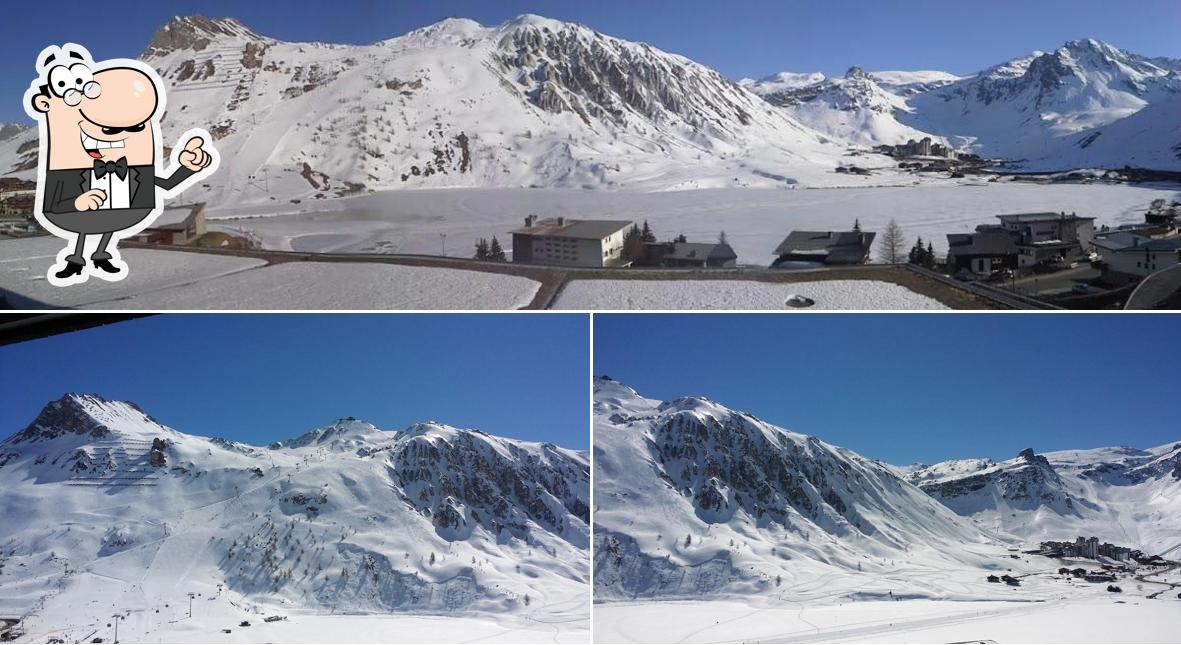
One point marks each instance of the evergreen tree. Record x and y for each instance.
(856, 225)
(646, 234)
(917, 253)
(495, 253)
(432, 557)
(930, 255)
(633, 244)
(722, 237)
(481, 249)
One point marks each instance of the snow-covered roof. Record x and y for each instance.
(587, 229)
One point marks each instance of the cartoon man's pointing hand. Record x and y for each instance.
(100, 141)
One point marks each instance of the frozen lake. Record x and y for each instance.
(755, 220)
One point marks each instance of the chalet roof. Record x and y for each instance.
(1029, 218)
(991, 243)
(585, 229)
(702, 251)
(1125, 242)
(822, 243)
(175, 218)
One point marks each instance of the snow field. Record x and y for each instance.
(179, 280)
(738, 294)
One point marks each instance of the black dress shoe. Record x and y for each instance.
(106, 265)
(72, 269)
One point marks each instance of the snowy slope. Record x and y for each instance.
(1023, 109)
(1124, 495)
(692, 499)
(1086, 104)
(532, 102)
(858, 108)
(107, 510)
(1150, 138)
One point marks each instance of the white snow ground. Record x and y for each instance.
(755, 220)
(1096, 618)
(737, 294)
(178, 280)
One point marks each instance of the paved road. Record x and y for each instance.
(1158, 290)
(1049, 283)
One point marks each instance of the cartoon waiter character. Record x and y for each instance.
(100, 142)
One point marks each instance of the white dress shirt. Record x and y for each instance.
(118, 190)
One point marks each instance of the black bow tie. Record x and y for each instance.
(101, 168)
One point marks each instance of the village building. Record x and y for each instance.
(983, 252)
(1127, 257)
(825, 247)
(17, 196)
(570, 242)
(691, 254)
(923, 148)
(1084, 547)
(1166, 217)
(176, 225)
(1045, 238)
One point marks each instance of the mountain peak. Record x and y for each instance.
(85, 415)
(540, 22)
(1088, 44)
(856, 72)
(427, 427)
(196, 33)
(347, 430)
(1031, 457)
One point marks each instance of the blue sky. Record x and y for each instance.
(260, 378)
(753, 38)
(913, 387)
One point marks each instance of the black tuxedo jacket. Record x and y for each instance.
(62, 187)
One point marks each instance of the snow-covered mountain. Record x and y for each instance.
(694, 498)
(10, 130)
(532, 102)
(1124, 495)
(1086, 104)
(1023, 109)
(858, 107)
(101, 501)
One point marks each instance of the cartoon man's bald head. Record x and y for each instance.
(95, 115)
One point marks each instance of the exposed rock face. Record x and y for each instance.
(10, 130)
(725, 463)
(461, 478)
(156, 455)
(195, 33)
(1031, 457)
(1030, 482)
(623, 568)
(569, 68)
(857, 90)
(67, 415)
